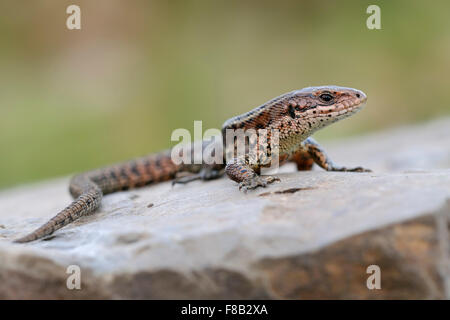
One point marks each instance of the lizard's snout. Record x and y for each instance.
(361, 96)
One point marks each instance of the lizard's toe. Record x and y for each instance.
(256, 181)
(359, 169)
(345, 169)
(186, 179)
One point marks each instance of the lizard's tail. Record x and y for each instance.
(89, 188)
(86, 203)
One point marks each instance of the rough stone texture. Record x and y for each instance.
(311, 236)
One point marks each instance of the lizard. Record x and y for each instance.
(295, 116)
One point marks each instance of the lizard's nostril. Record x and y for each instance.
(358, 95)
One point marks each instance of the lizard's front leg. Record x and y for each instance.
(240, 171)
(323, 160)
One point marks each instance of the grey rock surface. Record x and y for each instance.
(310, 236)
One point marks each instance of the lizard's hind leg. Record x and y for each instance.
(302, 159)
(89, 188)
(207, 172)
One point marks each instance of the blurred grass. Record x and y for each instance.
(75, 100)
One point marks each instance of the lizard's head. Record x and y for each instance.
(297, 114)
(316, 107)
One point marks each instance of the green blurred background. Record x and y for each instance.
(72, 100)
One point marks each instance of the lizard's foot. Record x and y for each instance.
(204, 174)
(186, 179)
(256, 181)
(356, 169)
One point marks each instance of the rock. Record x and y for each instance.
(313, 235)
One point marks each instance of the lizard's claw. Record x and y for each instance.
(359, 169)
(186, 179)
(256, 181)
(356, 169)
(204, 174)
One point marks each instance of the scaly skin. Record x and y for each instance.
(295, 115)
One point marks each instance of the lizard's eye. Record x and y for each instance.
(326, 97)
